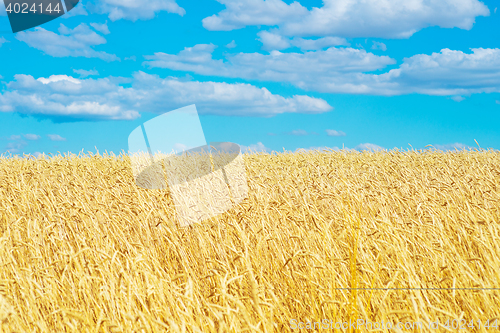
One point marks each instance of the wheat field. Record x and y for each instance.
(83, 249)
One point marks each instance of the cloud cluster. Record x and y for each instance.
(66, 98)
(17, 144)
(77, 42)
(241, 13)
(272, 40)
(304, 70)
(348, 18)
(348, 70)
(133, 10)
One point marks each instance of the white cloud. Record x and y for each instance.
(76, 11)
(240, 13)
(457, 98)
(58, 78)
(302, 69)
(320, 149)
(317, 44)
(448, 72)
(133, 10)
(348, 18)
(62, 97)
(102, 28)
(379, 46)
(133, 58)
(84, 73)
(77, 42)
(273, 41)
(369, 146)
(299, 132)
(255, 148)
(3, 40)
(221, 98)
(16, 147)
(32, 137)
(331, 132)
(497, 101)
(56, 137)
(342, 70)
(452, 146)
(231, 45)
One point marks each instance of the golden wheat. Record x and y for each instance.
(83, 249)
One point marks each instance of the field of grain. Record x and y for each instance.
(83, 249)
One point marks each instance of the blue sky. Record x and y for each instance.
(266, 74)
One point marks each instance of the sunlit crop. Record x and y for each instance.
(83, 249)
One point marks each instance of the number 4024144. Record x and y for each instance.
(24, 8)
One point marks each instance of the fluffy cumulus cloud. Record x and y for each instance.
(305, 70)
(348, 18)
(134, 10)
(3, 40)
(77, 42)
(241, 13)
(449, 72)
(347, 70)
(273, 41)
(65, 98)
